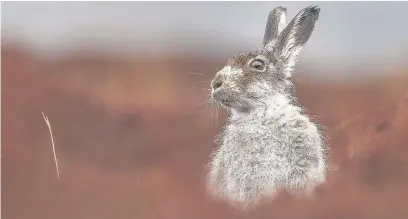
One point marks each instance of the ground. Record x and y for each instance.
(133, 139)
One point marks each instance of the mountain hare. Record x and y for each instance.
(268, 142)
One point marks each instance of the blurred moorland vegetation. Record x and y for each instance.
(133, 135)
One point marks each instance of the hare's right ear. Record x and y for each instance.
(294, 37)
(275, 24)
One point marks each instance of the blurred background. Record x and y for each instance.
(124, 85)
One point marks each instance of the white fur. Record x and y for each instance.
(229, 71)
(228, 75)
(251, 162)
(282, 22)
(272, 144)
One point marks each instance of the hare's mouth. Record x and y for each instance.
(226, 103)
(240, 106)
(227, 99)
(221, 99)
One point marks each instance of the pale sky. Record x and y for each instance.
(366, 35)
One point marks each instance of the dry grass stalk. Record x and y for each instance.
(47, 121)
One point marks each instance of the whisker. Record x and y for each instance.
(206, 109)
(195, 73)
(212, 115)
(199, 84)
(206, 90)
(200, 104)
(209, 114)
(216, 119)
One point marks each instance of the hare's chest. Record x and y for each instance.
(250, 138)
(247, 154)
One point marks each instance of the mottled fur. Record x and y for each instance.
(268, 143)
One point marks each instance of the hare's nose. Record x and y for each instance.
(216, 85)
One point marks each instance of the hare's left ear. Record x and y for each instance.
(275, 24)
(294, 37)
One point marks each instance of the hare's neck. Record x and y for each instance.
(274, 107)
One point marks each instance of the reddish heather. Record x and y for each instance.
(133, 138)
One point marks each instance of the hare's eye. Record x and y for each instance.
(258, 64)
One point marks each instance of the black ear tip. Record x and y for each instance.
(279, 9)
(283, 9)
(313, 9)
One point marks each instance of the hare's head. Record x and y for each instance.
(248, 78)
